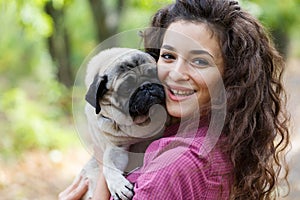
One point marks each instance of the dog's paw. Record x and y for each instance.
(121, 188)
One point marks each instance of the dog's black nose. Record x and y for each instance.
(145, 97)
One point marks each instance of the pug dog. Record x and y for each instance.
(125, 106)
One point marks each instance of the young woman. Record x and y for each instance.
(196, 44)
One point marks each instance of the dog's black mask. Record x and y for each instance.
(140, 101)
(144, 98)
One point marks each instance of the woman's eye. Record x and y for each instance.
(200, 62)
(167, 56)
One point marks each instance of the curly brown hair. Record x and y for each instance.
(256, 125)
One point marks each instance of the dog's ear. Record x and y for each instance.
(96, 90)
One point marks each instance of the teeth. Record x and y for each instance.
(182, 93)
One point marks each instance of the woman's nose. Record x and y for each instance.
(180, 70)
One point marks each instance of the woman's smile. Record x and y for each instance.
(179, 93)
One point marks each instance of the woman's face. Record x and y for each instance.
(189, 66)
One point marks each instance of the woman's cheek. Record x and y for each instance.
(161, 72)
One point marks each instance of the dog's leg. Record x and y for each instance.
(114, 163)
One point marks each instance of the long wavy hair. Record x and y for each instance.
(256, 125)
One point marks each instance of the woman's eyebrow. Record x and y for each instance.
(196, 52)
(201, 52)
(168, 47)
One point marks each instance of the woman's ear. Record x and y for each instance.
(96, 90)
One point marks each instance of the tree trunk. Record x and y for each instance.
(59, 46)
(105, 27)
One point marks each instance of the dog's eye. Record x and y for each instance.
(105, 117)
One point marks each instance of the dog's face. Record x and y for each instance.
(126, 90)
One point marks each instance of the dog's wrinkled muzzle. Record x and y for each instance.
(144, 98)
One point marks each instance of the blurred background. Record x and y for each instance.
(42, 45)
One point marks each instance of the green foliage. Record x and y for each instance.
(276, 13)
(36, 110)
(34, 19)
(139, 12)
(137, 15)
(281, 18)
(30, 124)
(82, 34)
(15, 57)
(149, 5)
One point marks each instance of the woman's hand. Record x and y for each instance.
(80, 186)
(76, 190)
(101, 192)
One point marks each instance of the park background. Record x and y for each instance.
(42, 45)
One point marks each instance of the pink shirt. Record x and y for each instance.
(174, 169)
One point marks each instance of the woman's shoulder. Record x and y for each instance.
(175, 168)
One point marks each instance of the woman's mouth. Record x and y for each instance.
(179, 94)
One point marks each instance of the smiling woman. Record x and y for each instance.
(189, 64)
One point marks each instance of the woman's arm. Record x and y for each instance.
(101, 191)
